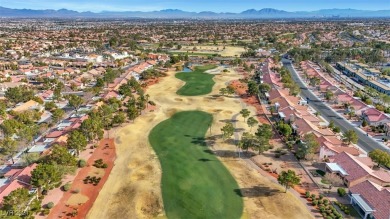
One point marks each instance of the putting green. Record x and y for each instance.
(197, 82)
(195, 184)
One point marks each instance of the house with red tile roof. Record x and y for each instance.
(288, 114)
(359, 169)
(16, 178)
(331, 146)
(272, 79)
(111, 94)
(375, 117)
(370, 200)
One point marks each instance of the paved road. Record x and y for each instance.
(365, 142)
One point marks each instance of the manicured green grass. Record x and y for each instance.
(197, 82)
(195, 184)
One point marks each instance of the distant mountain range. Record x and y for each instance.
(265, 13)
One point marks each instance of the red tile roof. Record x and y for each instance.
(376, 196)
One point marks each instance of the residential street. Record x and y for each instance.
(365, 142)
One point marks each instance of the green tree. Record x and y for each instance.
(247, 141)
(331, 124)
(92, 127)
(252, 122)
(288, 179)
(106, 113)
(350, 137)
(263, 88)
(50, 106)
(119, 118)
(77, 141)
(19, 94)
(310, 145)
(364, 123)
(10, 127)
(60, 155)
(285, 129)
(75, 101)
(223, 91)
(314, 81)
(380, 157)
(253, 89)
(227, 130)
(230, 90)
(245, 113)
(57, 115)
(125, 90)
(16, 201)
(264, 134)
(27, 133)
(8, 147)
(45, 175)
(132, 112)
(328, 95)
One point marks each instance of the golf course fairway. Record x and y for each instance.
(195, 184)
(197, 82)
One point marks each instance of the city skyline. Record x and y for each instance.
(200, 5)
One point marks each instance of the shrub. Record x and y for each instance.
(307, 194)
(82, 163)
(45, 211)
(313, 196)
(364, 123)
(326, 201)
(315, 202)
(333, 179)
(341, 192)
(321, 196)
(76, 191)
(66, 187)
(50, 205)
(104, 165)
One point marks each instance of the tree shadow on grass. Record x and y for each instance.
(205, 160)
(256, 191)
(199, 141)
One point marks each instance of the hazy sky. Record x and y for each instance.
(195, 5)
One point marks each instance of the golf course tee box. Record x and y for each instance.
(195, 184)
(197, 82)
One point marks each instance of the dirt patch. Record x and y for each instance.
(77, 199)
(149, 205)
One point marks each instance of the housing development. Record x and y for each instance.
(175, 114)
